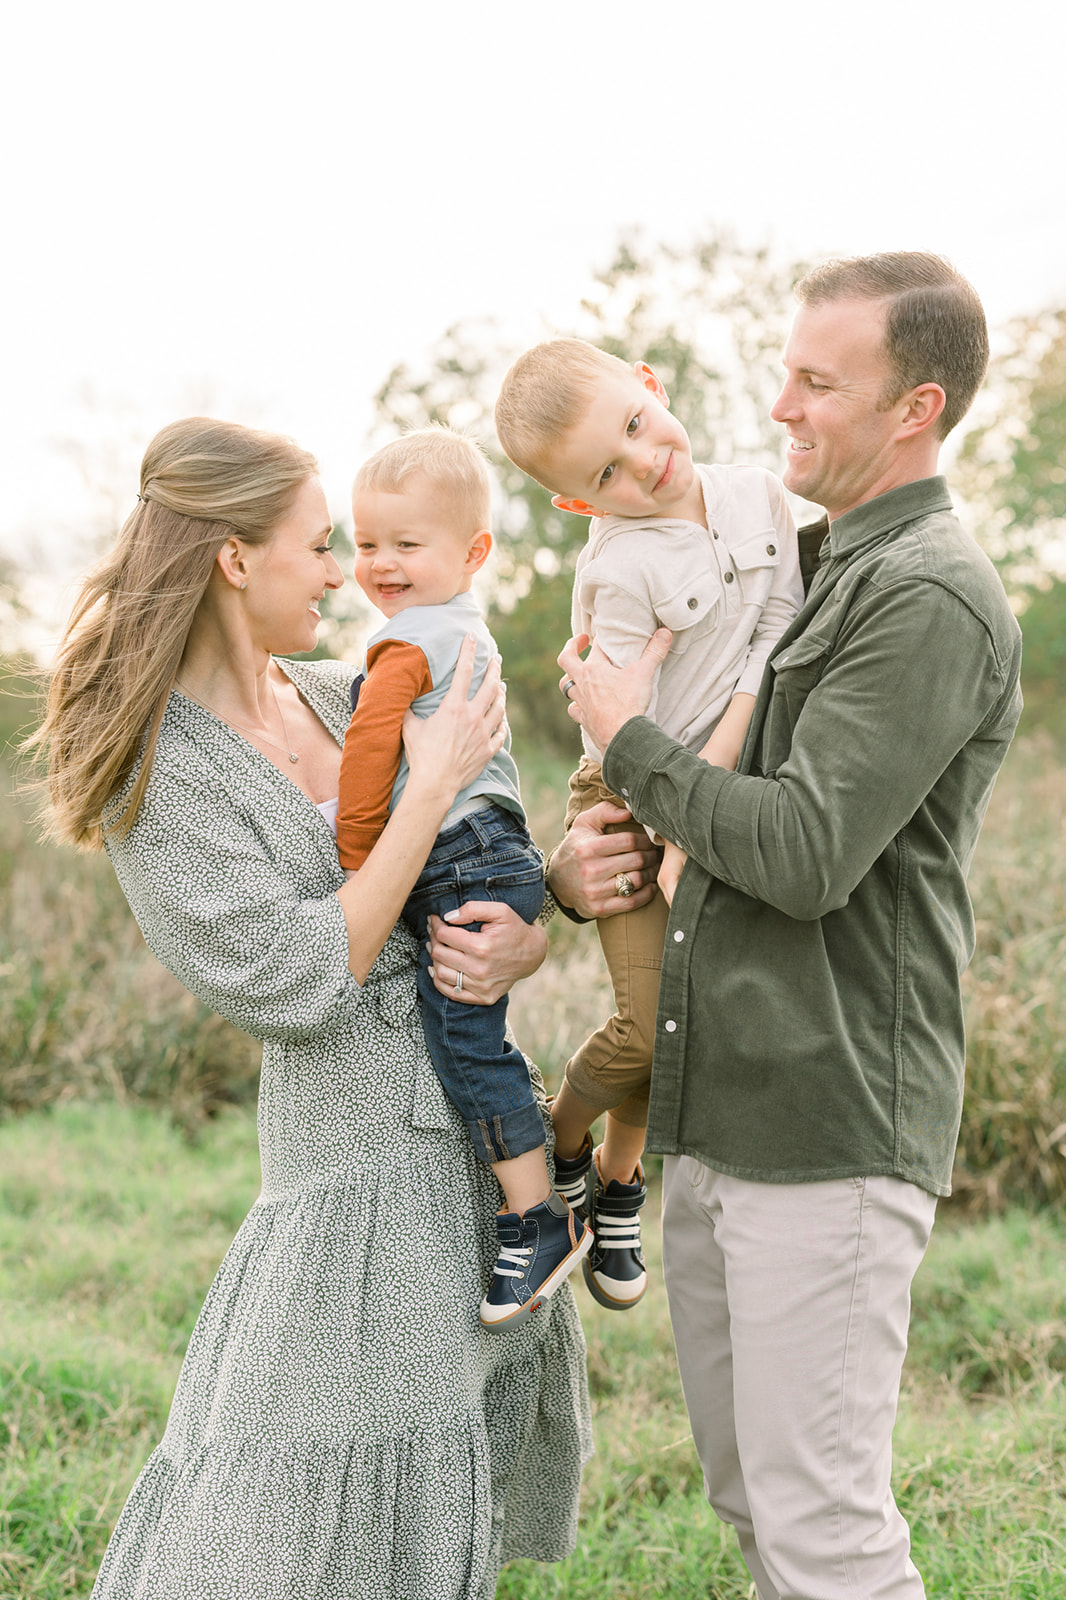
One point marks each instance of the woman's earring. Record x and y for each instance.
(244, 585)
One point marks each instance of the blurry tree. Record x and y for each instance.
(1012, 467)
(710, 318)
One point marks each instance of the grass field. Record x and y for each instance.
(112, 1225)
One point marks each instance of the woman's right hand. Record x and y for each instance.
(448, 749)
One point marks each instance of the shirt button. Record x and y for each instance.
(626, 793)
(678, 936)
(693, 603)
(715, 532)
(771, 549)
(671, 1027)
(729, 577)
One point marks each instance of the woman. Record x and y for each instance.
(342, 1427)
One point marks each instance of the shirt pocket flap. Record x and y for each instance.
(694, 605)
(762, 549)
(802, 652)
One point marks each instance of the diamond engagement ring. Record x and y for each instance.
(623, 885)
(458, 983)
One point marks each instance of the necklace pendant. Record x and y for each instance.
(293, 756)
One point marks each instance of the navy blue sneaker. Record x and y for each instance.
(572, 1178)
(614, 1269)
(537, 1251)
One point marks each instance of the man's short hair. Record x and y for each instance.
(546, 393)
(935, 329)
(453, 463)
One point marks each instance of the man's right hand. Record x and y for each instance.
(585, 867)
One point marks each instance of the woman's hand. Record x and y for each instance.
(585, 870)
(492, 960)
(602, 696)
(450, 748)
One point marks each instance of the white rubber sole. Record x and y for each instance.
(513, 1318)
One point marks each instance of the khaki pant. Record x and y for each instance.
(612, 1069)
(789, 1304)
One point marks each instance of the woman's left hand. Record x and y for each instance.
(491, 961)
(462, 735)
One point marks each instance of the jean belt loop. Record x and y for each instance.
(478, 829)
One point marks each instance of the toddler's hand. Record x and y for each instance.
(673, 861)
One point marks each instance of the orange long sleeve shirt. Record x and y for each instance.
(397, 673)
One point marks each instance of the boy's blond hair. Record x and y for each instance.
(544, 395)
(453, 463)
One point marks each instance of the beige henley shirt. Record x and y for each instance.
(728, 592)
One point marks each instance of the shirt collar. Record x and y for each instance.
(888, 511)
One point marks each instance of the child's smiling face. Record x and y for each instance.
(409, 550)
(628, 456)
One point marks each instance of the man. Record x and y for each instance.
(809, 1049)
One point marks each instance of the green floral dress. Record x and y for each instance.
(342, 1427)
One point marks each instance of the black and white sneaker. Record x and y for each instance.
(538, 1251)
(614, 1268)
(572, 1178)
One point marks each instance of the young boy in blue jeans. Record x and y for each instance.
(421, 512)
(709, 552)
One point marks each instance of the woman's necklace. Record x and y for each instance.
(259, 734)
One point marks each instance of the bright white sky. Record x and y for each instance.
(255, 209)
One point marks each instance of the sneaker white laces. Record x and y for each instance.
(617, 1233)
(520, 1257)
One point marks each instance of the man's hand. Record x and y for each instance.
(584, 870)
(602, 696)
(491, 960)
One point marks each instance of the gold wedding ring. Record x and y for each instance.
(623, 885)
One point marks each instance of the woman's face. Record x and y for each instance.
(288, 576)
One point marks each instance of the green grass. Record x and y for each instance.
(112, 1225)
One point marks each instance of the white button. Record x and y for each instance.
(671, 1027)
(678, 936)
(626, 793)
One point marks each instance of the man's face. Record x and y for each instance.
(842, 446)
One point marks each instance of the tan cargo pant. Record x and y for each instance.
(612, 1069)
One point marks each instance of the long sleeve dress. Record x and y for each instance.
(342, 1428)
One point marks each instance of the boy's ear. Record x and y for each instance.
(580, 508)
(650, 380)
(478, 550)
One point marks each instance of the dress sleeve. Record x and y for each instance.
(397, 673)
(226, 919)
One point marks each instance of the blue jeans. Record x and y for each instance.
(486, 855)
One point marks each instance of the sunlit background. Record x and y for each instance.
(257, 210)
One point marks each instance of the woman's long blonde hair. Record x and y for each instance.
(202, 482)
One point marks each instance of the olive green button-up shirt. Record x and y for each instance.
(810, 1017)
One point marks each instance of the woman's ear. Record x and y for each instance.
(233, 564)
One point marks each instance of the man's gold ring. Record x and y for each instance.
(623, 885)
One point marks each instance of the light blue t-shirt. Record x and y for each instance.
(439, 631)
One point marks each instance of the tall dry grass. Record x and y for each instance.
(86, 1012)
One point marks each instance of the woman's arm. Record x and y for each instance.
(445, 752)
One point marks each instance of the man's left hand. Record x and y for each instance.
(602, 696)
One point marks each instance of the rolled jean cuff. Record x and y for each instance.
(509, 1134)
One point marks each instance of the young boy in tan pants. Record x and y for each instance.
(709, 552)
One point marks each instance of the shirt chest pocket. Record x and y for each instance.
(691, 611)
(796, 672)
(755, 557)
